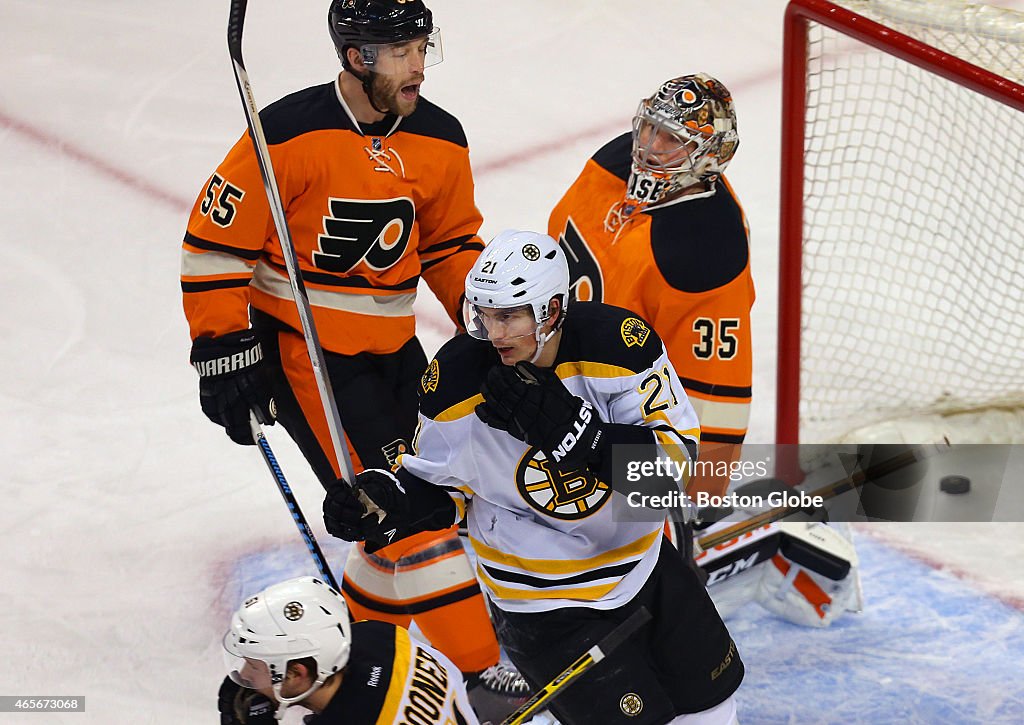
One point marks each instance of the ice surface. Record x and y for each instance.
(131, 526)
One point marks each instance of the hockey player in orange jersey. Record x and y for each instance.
(651, 224)
(378, 192)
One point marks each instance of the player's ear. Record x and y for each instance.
(300, 669)
(555, 312)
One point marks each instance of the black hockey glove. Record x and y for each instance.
(533, 405)
(232, 382)
(375, 510)
(239, 706)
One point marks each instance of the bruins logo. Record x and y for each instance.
(567, 496)
(634, 332)
(430, 377)
(293, 611)
(531, 252)
(631, 704)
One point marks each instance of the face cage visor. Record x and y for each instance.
(662, 147)
(407, 56)
(499, 323)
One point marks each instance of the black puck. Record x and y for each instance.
(955, 484)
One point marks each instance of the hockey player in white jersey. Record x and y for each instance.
(516, 428)
(293, 644)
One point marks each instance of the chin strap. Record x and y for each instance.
(285, 702)
(541, 340)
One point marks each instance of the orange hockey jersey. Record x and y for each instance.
(371, 208)
(683, 265)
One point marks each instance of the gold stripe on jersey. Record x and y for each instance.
(591, 593)
(565, 566)
(563, 371)
(399, 675)
(460, 502)
(376, 304)
(592, 370)
(460, 410)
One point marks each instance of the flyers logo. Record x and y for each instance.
(567, 496)
(369, 231)
(393, 451)
(685, 94)
(586, 283)
(634, 332)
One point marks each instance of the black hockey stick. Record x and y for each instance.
(293, 505)
(316, 354)
(853, 481)
(587, 660)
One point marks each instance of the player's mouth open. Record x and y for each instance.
(411, 91)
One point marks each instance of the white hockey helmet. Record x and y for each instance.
(692, 110)
(518, 269)
(292, 620)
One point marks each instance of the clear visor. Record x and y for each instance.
(661, 145)
(409, 56)
(247, 672)
(499, 323)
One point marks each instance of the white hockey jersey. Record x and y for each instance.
(545, 540)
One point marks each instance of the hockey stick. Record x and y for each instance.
(853, 481)
(587, 660)
(316, 354)
(293, 506)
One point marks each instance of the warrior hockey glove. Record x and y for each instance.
(232, 382)
(374, 510)
(533, 405)
(239, 706)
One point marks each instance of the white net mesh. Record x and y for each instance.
(913, 250)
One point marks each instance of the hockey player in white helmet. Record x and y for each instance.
(517, 425)
(293, 643)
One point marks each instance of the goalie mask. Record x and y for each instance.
(511, 285)
(295, 619)
(376, 27)
(683, 135)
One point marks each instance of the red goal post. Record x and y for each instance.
(902, 214)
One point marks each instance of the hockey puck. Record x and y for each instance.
(955, 484)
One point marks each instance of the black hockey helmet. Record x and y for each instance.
(355, 23)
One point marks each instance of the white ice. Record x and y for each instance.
(124, 511)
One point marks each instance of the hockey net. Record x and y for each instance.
(901, 310)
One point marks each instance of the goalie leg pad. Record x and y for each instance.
(813, 578)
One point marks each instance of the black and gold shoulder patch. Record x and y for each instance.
(431, 377)
(599, 333)
(634, 331)
(465, 362)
